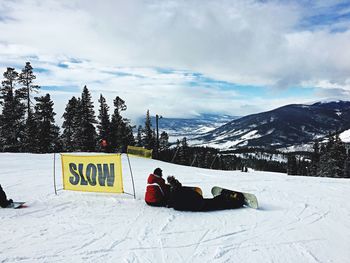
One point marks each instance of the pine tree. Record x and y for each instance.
(164, 141)
(333, 158)
(30, 140)
(117, 125)
(218, 164)
(292, 168)
(26, 78)
(315, 159)
(86, 133)
(149, 137)
(330, 143)
(47, 132)
(104, 125)
(139, 135)
(302, 168)
(127, 134)
(12, 117)
(183, 157)
(339, 155)
(175, 158)
(347, 166)
(327, 168)
(121, 130)
(8, 85)
(70, 126)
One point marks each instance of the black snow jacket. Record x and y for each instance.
(185, 199)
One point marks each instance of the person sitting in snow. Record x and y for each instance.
(186, 199)
(157, 191)
(3, 199)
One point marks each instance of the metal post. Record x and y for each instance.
(157, 147)
(132, 177)
(173, 159)
(157, 129)
(194, 159)
(54, 172)
(211, 166)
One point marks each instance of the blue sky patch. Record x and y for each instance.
(41, 70)
(122, 74)
(326, 16)
(165, 70)
(62, 65)
(72, 89)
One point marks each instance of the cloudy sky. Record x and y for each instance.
(182, 58)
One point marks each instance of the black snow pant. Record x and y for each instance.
(157, 204)
(185, 199)
(221, 202)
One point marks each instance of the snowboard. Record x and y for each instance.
(16, 205)
(249, 199)
(195, 188)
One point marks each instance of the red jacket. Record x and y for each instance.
(156, 191)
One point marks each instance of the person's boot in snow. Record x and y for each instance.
(237, 198)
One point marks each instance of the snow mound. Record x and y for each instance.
(300, 219)
(345, 136)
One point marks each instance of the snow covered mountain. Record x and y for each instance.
(283, 127)
(177, 128)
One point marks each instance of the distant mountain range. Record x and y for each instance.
(287, 126)
(177, 128)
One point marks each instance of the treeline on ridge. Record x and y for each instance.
(328, 159)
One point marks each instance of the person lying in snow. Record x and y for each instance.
(157, 191)
(3, 199)
(186, 199)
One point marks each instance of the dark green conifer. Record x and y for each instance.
(26, 78)
(70, 126)
(47, 131)
(87, 136)
(13, 110)
(104, 125)
(149, 137)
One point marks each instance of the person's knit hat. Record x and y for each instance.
(158, 171)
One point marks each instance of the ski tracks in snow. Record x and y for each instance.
(300, 220)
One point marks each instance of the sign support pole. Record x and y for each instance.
(132, 177)
(54, 172)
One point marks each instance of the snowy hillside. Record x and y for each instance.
(300, 219)
(290, 126)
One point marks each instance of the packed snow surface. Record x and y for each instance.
(300, 219)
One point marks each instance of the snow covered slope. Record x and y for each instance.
(300, 219)
(288, 126)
